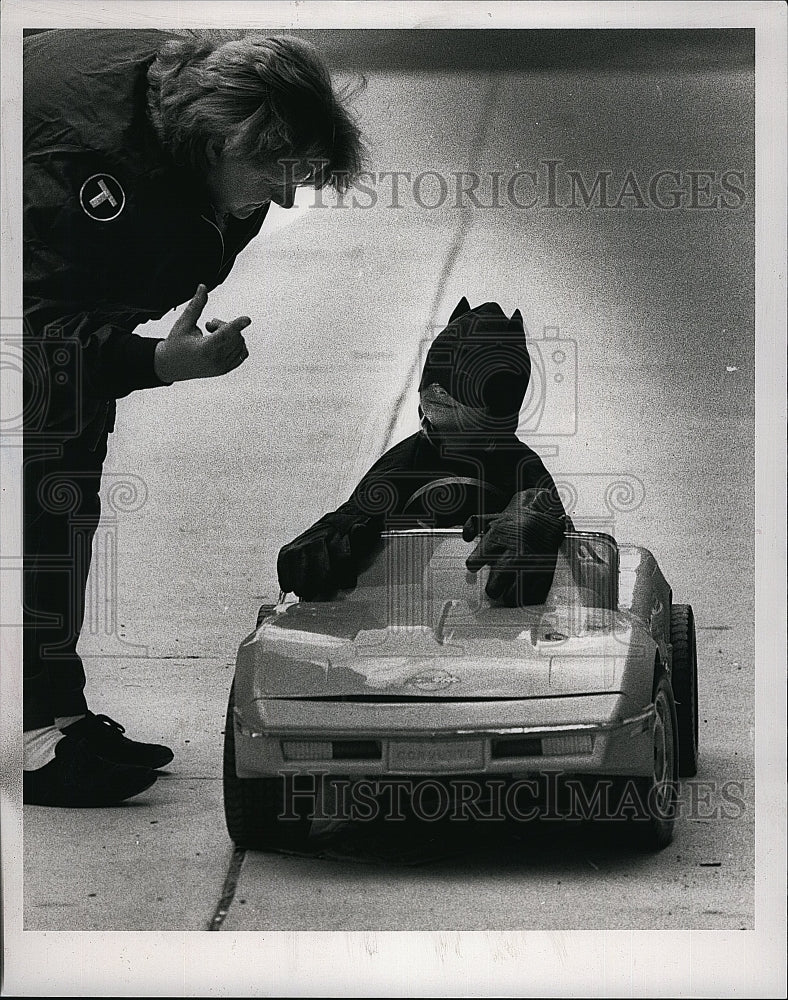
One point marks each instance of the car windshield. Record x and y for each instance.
(419, 576)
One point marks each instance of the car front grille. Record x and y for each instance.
(507, 748)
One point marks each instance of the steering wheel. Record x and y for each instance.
(448, 502)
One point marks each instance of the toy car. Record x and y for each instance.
(415, 673)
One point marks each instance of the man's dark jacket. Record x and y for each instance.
(92, 276)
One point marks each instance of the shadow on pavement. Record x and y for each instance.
(558, 845)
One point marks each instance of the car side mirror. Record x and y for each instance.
(264, 612)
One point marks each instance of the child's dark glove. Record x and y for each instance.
(325, 558)
(521, 547)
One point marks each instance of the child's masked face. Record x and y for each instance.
(449, 417)
(476, 373)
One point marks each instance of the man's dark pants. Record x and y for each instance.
(61, 513)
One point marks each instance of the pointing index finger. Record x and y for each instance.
(235, 325)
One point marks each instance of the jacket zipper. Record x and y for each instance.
(221, 239)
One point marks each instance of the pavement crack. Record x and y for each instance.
(228, 890)
(450, 261)
(186, 656)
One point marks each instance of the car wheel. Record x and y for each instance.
(253, 806)
(685, 686)
(644, 809)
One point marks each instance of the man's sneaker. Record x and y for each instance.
(105, 738)
(78, 778)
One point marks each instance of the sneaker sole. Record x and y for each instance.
(128, 762)
(94, 802)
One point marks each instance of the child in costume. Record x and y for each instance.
(472, 386)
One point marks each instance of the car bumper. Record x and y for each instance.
(597, 734)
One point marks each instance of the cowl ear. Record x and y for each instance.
(461, 308)
(516, 320)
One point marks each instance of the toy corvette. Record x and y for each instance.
(415, 673)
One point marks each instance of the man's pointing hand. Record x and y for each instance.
(188, 353)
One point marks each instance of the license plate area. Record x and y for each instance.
(436, 755)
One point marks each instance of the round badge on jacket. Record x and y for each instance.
(102, 197)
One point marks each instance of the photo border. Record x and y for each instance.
(440, 963)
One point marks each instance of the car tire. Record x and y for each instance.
(643, 809)
(253, 806)
(685, 686)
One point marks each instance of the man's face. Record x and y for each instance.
(448, 416)
(239, 187)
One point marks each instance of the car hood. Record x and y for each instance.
(500, 653)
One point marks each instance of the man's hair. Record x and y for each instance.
(265, 99)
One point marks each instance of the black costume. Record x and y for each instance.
(482, 361)
(115, 234)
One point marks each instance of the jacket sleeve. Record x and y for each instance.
(532, 474)
(333, 549)
(65, 256)
(376, 495)
(382, 490)
(113, 361)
